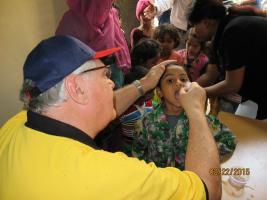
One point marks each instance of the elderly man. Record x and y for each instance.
(48, 152)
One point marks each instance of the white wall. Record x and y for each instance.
(23, 23)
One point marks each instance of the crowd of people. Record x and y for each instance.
(105, 120)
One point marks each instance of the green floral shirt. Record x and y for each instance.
(156, 141)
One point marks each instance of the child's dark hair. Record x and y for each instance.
(174, 63)
(215, 9)
(144, 50)
(169, 29)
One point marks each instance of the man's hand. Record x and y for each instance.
(202, 153)
(192, 98)
(150, 11)
(126, 96)
(151, 80)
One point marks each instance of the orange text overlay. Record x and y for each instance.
(229, 171)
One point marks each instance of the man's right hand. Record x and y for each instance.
(202, 153)
(192, 98)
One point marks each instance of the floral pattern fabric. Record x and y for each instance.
(156, 141)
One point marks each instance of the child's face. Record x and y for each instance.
(144, 19)
(193, 47)
(167, 44)
(174, 78)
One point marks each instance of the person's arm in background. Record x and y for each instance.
(132, 39)
(202, 154)
(232, 83)
(127, 95)
(209, 77)
(157, 7)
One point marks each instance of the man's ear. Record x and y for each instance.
(76, 90)
(159, 92)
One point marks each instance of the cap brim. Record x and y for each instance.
(107, 52)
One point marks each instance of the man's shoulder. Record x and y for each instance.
(19, 118)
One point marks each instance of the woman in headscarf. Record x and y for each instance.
(96, 23)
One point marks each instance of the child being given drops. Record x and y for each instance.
(162, 135)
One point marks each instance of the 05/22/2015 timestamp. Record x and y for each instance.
(229, 171)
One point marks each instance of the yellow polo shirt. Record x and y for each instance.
(40, 166)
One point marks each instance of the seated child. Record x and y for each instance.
(144, 55)
(192, 57)
(167, 35)
(162, 135)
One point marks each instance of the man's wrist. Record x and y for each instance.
(139, 87)
(146, 84)
(195, 114)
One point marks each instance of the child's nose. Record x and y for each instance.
(180, 83)
(190, 48)
(164, 44)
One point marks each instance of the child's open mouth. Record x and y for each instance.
(177, 94)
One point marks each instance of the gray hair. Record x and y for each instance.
(53, 97)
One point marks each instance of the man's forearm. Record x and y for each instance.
(127, 95)
(202, 154)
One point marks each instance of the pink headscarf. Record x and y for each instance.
(97, 25)
(140, 7)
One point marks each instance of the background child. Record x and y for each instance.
(192, 57)
(146, 28)
(162, 135)
(167, 35)
(144, 55)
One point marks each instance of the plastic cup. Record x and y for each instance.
(238, 180)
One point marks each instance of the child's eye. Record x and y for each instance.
(183, 79)
(170, 81)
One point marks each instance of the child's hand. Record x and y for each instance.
(150, 11)
(192, 98)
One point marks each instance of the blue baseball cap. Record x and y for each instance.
(55, 58)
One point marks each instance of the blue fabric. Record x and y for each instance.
(165, 17)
